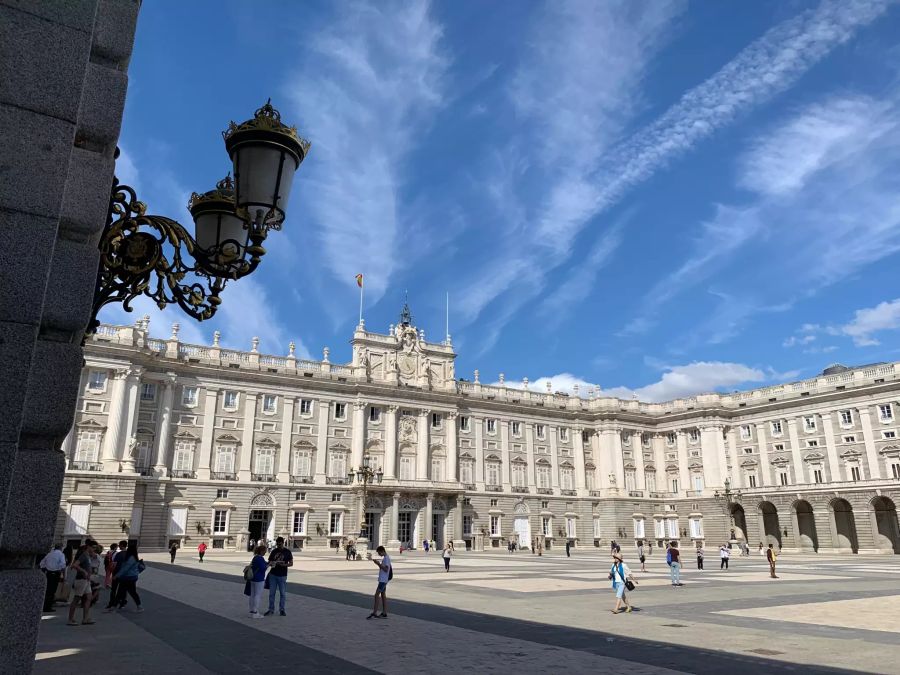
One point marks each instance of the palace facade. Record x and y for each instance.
(188, 443)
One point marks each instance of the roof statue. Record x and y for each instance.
(405, 314)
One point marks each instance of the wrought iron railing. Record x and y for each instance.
(223, 475)
(336, 480)
(493, 488)
(545, 491)
(520, 488)
(301, 479)
(85, 466)
(568, 493)
(180, 473)
(263, 477)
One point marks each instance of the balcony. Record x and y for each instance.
(520, 488)
(635, 493)
(301, 479)
(337, 480)
(694, 493)
(569, 493)
(85, 466)
(179, 473)
(493, 488)
(263, 477)
(662, 495)
(595, 493)
(144, 470)
(468, 486)
(545, 491)
(222, 475)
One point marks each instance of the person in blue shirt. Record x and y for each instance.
(117, 560)
(279, 560)
(259, 567)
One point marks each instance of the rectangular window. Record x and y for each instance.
(812, 444)
(809, 423)
(491, 425)
(748, 451)
(638, 528)
(854, 473)
(300, 496)
(336, 523)
(437, 469)
(184, 456)
(670, 438)
(698, 483)
(543, 476)
(674, 485)
(464, 423)
(77, 519)
(178, 521)
(494, 502)
(541, 431)
(696, 528)
(302, 463)
(672, 528)
(299, 522)
(265, 461)
(225, 459)
(340, 411)
(849, 439)
(570, 528)
(374, 415)
(778, 447)
(493, 474)
(846, 418)
(467, 526)
(97, 380)
(659, 528)
(338, 465)
(435, 420)
(148, 392)
(221, 494)
(305, 406)
(269, 401)
(230, 400)
(465, 473)
(220, 522)
(895, 470)
(335, 496)
(406, 468)
(751, 480)
(885, 412)
(564, 434)
(694, 435)
(495, 526)
(518, 475)
(783, 478)
(889, 434)
(567, 475)
(88, 448)
(817, 476)
(516, 429)
(776, 428)
(650, 479)
(189, 396)
(626, 439)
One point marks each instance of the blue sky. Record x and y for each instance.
(655, 197)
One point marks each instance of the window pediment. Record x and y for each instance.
(227, 438)
(566, 464)
(187, 435)
(339, 447)
(851, 453)
(695, 465)
(543, 462)
(749, 463)
(90, 423)
(266, 441)
(813, 457)
(491, 458)
(306, 445)
(890, 451)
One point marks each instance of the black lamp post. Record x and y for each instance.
(151, 255)
(364, 475)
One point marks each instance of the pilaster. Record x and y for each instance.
(206, 438)
(322, 440)
(834, 465)
(796, 457)
(478, 423)
(164, 425)
(284, 452)
(117, 410)
(422, 445)
(390, 442)
(637, 452)
(504, 455)
(865, 421)
(358, 439)
(529, 454)
(763, 445)
(684, 474)
(246, 454)
(394, 542)
(452, 449)
(578, 448)
(554, 457)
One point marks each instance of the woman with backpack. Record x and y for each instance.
(127, 572)
(622, 580)
(255, 575)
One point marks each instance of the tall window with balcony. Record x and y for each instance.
(265, 462)
(337, 469)
(407, 463)
(672, 528)
(183, 460)
(516, 428)
(87, 450)
(818, 476)
(590, 481)
(543, 476)
(437, 469)
(571, 532)
(467, 472)
(696, 526)
(492, 471)
(225, 456)
(302, 464)
(189, 397)
(630, 480)
(855, 472)
(567, 478)
(698, 482)
(751, 479)
(144, 446)
(518, 475)
(673, 484)
(784, 478)
(670, 439)
(659, 528)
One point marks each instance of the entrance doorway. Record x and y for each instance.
(887, 528)
(437, 529)
(405, 530)
(373, 529)
(844, 525)
(739, 518)
(771, 528)
(522, 528)
(260, 520)
(806, 526)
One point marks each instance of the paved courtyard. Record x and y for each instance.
(498, 613)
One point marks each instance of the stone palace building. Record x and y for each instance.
(188, 443)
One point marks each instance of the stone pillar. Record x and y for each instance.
(422, 446)
(284, 452)
(246, 454)
(834, 465)
(763, 445)
(529, 457)
(578, 448)
(637, 451)
(684, 474)
(554, 458)
(164, 425)
(869, 442)
(603, 454)
(394, 542)
(322, 441)
(711, 447)
(796, 457)
(114, 427)
(63, 92)
(737, 477)
(618, 459)
(358, 439)
(429, 519)
(390, 442)
(458, 542)
(210, 404)
(505, 468)
(478, 423)
(658, 442)
(452, 450)
(130, 415)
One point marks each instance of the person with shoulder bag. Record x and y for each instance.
(127, 572)
(622, 580)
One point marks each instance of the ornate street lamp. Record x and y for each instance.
(364, 475)
(728, 495)
(150, 255)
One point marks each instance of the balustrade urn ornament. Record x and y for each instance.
(254, 344)
(216, 337)
(477, 381)
(175, 328)
(291, 348)
(325, 352)
(143, 254)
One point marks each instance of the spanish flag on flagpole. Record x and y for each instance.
(359, 282)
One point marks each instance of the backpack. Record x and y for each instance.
(248, 573)
(669, 557)
(390, 572)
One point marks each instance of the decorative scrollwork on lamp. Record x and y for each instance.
(156, 256)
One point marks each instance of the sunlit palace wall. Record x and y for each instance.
(189, 443)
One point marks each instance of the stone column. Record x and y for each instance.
(429, 519)
(554, 458)
(834, 465)
(711, 447)
(114, 421)
(322, 441)
(478, 423)
(618, 459)
(358, 439)
(637, 451)
(529, 454)
(246, 454)
(390, 442)
(284, 452)
(458, 541)
(869, 441)
(796, 457)
(578, 448)
(422, 447)
(394, 542)
(763, 445)
(658, 443)
(603, 458)
(505, 468)
(132, 403)
(452, 450)
(164, 425)
(210, 404)
(684, 474)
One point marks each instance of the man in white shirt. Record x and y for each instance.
(384, 576)
(724, 555)
(53, 565)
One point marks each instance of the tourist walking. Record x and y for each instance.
(568, 546)
(425, 545)
(643, 560)
(127, 571)
(620, 575)
(98, 572)
(114, 582)
(53, 564)
(201, 550)
(724, 555)
(173, 549)
(771, 556)
(81, 589)
(257, 580)
(448, 549)
(673, 557)
(385, 574)
(108, 563)
(761, 548)
(279, 560)
(699, 557)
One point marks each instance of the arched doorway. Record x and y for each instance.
(808, 538)
(771, 530)
(739, 520)
(844, 525)
(887, 528)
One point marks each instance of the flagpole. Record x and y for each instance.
(447, 331)
(362, 287)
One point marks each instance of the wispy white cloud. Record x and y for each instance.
(885, 316)
(564, 382)
(367, 85)
(795, 340)
(695, 378)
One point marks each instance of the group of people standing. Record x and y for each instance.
(261, 574)
(76, 575)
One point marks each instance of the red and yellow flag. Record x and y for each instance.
(359, 280)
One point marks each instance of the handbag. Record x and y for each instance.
(629, 584)
(266, 584)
